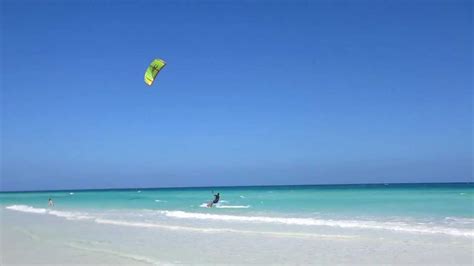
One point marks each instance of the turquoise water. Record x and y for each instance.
(418, 208)
(417, 200)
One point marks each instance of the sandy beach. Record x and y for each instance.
(29, 238)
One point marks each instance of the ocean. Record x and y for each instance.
(417, 213)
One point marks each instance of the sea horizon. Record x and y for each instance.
(241, 186)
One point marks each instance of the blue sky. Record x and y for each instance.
(270, 92)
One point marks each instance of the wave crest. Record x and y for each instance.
(354, 224)
(63, 214)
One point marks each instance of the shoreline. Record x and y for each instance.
(36, 238)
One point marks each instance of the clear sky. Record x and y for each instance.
(255, 92)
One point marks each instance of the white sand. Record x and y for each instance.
(28, 238)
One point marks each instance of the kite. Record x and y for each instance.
(153, 70)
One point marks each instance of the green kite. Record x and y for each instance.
(153, 70)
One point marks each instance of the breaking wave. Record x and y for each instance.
(64, 214)
(355, 224)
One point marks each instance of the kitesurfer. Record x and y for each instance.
(216, 200)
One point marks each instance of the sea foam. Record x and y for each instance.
(64, 214)
(219, 206)
(354, 224)
(24, 208)
(233, 206)
(351, 224)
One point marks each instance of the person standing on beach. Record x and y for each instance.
(50, 202)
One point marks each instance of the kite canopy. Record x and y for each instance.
(153, 70)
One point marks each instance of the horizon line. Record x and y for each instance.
(228, 186)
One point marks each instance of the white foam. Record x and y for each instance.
(233, 206)
(70, 215)
(157, 200)
(355, 224)
(219, 206)
(242, 197)
(63, 214)
(460, 220)
(75, 215)
(391, 226)
(213, 230)
(24, 208)
(71, 193)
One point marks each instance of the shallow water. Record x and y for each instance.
(408, 208)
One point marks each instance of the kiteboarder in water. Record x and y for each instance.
(216, 200)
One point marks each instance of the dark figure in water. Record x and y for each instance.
(216, 200)
(50, 202)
